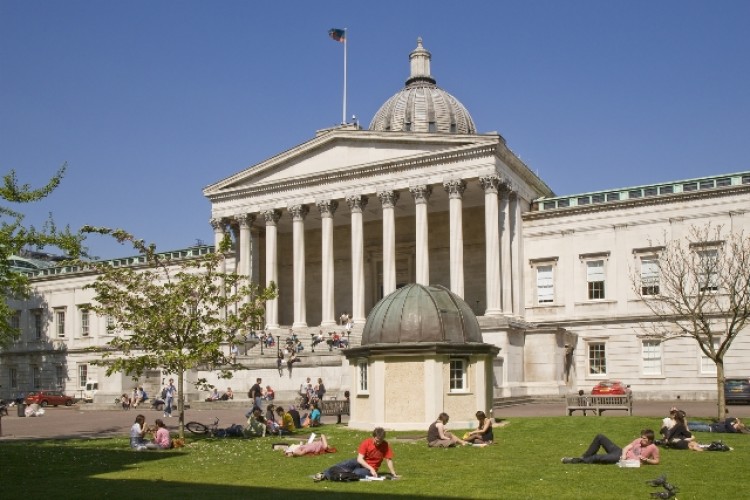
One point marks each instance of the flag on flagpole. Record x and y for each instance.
(337, 34)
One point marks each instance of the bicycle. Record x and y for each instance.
(199, 428)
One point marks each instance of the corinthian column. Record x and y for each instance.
(357, 204)
(220, 226)
(327, 209)
(490, 183)
(272, 265)
(246, 251)
(517, 255)
(455, 189)
(389, 199)
(505, 264)
(299, 212)
(421, 194)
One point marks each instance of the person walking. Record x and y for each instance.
(169, 394)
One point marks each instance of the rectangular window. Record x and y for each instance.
(38, 325)
(545, 291)
(649, 276)
(36, 377)
(362, 374)
(708, 367)
(595, 279)
(651, 352)
(13, 376)
(457, 375)
(83, 372)
(84, 322)
(708, 276)
(597, 358)
(60, 377)
(60, 322)
(15, 320)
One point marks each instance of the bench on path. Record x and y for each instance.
(598, 404)
(336, 407)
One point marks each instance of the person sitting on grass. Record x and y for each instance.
(256, 424)
(312, 448)
(370, 454)
(286, 422)
(162, 438)
(483, 434)
(642, 449)
(439, 437)
(314, 418)
(137, 433)
(678, 436)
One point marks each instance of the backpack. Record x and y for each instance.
(340, 474)
(718, 446)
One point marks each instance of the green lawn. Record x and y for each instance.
(525, 463)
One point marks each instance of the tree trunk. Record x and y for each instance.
(181, 401)
(722, 404)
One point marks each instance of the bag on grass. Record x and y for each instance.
(718, 446)
(339, 474)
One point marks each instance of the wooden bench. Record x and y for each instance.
(336, 407)
(598, 404)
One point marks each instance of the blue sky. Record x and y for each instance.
(149, 101)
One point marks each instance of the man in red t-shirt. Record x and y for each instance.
(370, 454)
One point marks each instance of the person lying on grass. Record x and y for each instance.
(312, 448)
(370, 454)
(642, 449)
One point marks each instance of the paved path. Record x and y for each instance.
(72, 422)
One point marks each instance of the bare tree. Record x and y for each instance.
(699, 287)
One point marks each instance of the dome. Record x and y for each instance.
(421, 106)
(421, 314)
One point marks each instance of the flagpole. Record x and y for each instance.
(346, 42)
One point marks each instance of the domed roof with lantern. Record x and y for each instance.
(421, 106)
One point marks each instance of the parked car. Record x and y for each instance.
(737, 390)
(610, 388)
(45, 398)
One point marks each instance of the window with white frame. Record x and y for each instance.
(649, 275)
(595, 279)
(38, 324)
(83, 373)
(651, 352)
(60, 322)
(362, 373)
(84, 310)
(13, 377)
(708, 367)
(36, 377)
(597, 357)
(457, 375)
(545, 288)
(708, 275)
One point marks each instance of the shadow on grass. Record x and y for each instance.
(79, 471)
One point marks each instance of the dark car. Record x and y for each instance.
(610, 388)
(737, 390)
(45, 398)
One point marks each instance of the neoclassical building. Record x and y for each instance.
(420, 196)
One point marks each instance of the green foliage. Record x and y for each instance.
(14, 237)
(172, 315)
(524, 464)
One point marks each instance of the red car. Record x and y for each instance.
(610, 387)
(45, 398)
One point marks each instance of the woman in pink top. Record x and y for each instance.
(161, 438)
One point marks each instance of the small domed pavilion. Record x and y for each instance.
(421, 354)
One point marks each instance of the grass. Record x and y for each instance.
(525, 463)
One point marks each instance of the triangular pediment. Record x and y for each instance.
(340, 150)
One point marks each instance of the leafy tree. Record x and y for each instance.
(174, 315)
(14, 237)
(702, 292)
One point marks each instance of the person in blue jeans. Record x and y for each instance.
(729, 425)
(370, 454)
(170, 392)
(642, 449)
